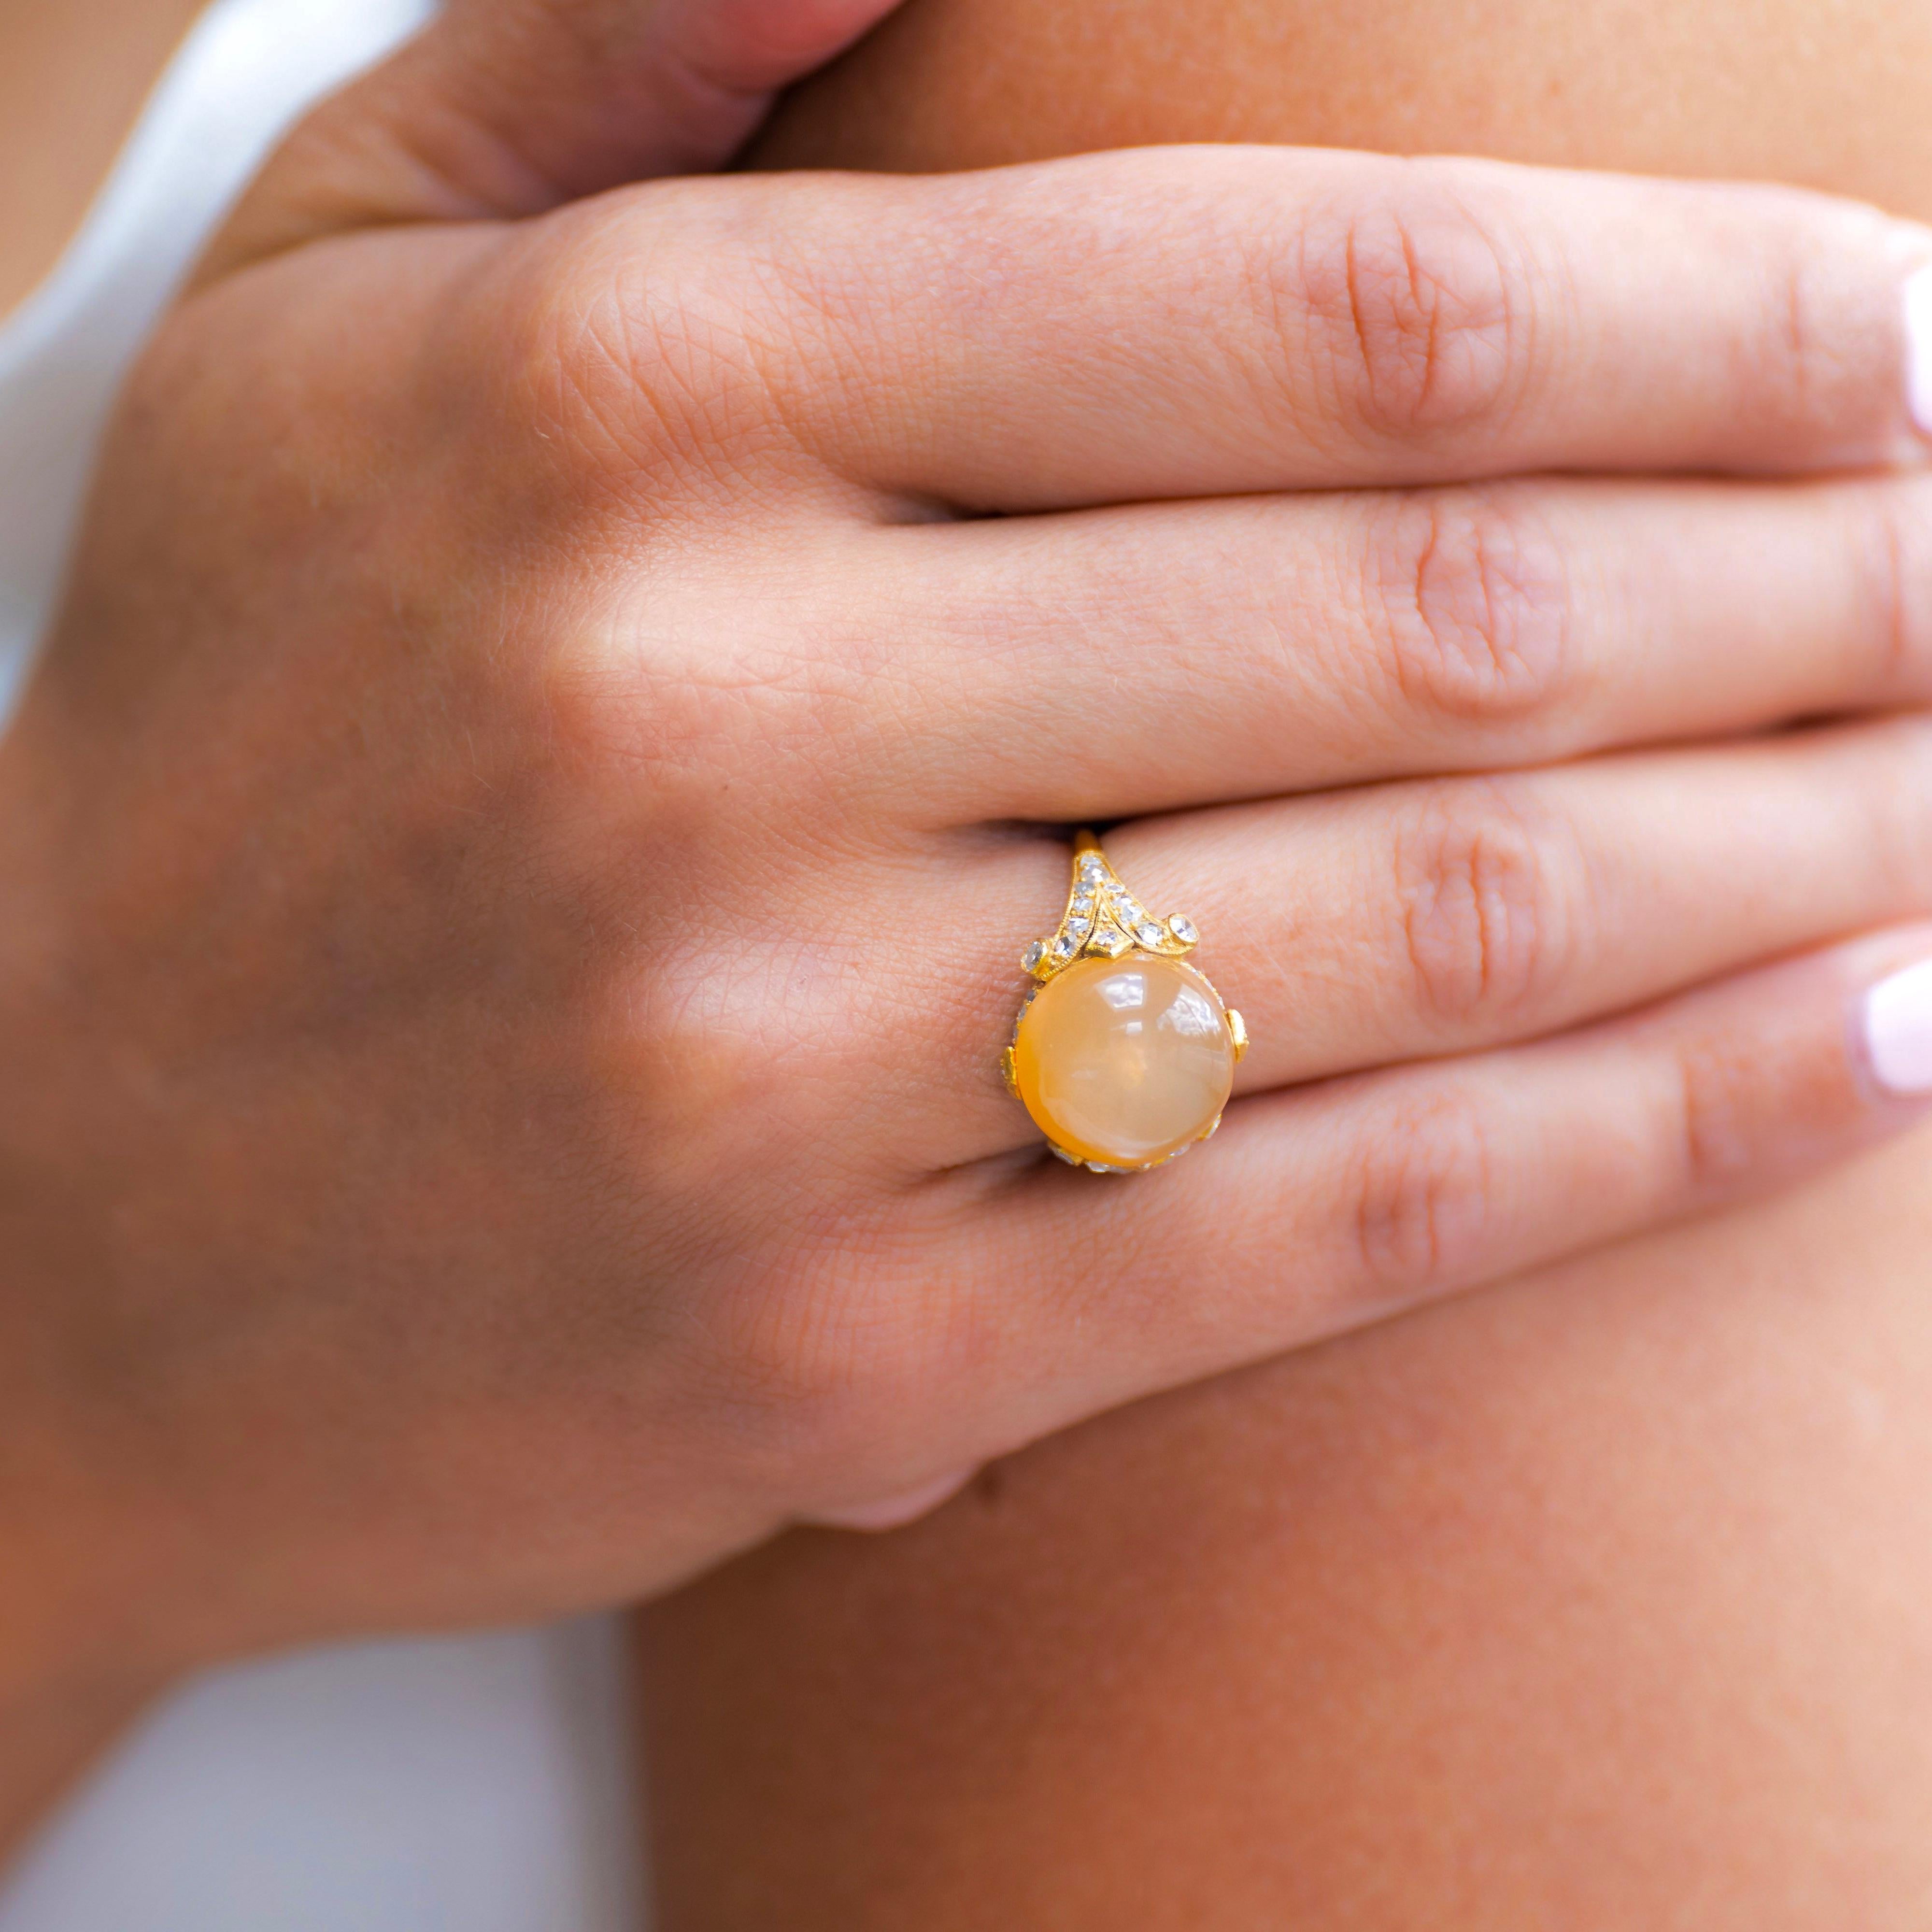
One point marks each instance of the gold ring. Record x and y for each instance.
(1123, 1056)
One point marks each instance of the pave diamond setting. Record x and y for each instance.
(1104, 920)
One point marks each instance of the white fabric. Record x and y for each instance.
(449, 1785)
(472, 1784)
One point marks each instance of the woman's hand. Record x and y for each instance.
(515, 864)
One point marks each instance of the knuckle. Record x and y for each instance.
(1891, 566)
(1756, 1093)
(1490, 905)
(1895, 767)
(786, 1354)
(1809, 360)
(1797, 347)
(799, 704)
(1728, 1108)
(646, 336)
(738, 1035)
(1425, 1198)
(1469, 588)
(1710, 1117)
(834, 1338)
(1420, 308)
(1815, 369)
(654, 694)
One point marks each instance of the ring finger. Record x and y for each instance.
(1406, 921)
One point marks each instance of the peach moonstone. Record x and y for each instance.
(1124, 1061)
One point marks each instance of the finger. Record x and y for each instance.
(1316, 1211)
(1251, 647)
(1192, 322)
(1414, 920)
(509, 107)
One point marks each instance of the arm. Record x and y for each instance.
(1596, 1601)
(441, 1181)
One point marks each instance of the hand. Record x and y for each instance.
(515, 863)
(469, 111)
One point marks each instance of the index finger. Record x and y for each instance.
(1198, 321)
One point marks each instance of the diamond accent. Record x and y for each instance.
(1103, 917)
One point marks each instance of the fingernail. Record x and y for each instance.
(1898, 1028)
(1918, 347)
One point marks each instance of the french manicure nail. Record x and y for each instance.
(1898, 1027)
(1918, 346)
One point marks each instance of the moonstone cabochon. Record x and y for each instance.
(1124, 1061)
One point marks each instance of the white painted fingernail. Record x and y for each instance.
(1918, 347)
(1898, 1030)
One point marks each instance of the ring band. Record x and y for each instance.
(1124, 1055)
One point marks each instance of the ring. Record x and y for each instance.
(1123, 1056)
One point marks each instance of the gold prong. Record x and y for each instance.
(1238, 1031)
(1007, 1072)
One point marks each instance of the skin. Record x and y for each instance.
(70, 87)
(445, 1179)
(1597, 1600)
(1762, 90)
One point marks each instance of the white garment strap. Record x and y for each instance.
(248, 70)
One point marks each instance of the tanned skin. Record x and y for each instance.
(1601, 1601)
(1596, 1602)
(70, 85)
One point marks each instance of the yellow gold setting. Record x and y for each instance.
(1104, 920)
(1125, 1087)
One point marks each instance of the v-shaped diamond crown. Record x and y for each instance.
(1104, 920)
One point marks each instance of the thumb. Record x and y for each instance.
(509, 107)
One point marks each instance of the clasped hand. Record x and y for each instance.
(515, 862)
